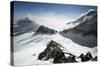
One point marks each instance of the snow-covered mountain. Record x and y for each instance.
(24, 25)
(89, 17)
(85, 33)
(45, 30)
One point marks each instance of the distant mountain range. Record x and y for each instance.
(85, 33)
(26, 25)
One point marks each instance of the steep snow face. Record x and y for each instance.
(27, 48)
(89, 12)
(84, 17)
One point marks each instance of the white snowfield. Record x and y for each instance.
(27, 48)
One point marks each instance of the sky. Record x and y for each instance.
(51, 15)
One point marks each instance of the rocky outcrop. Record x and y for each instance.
(45, 30)
(95, 58)
(51, 51)
(55, 52)
(86, 57)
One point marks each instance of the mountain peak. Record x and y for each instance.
(45, 30)
(55, 52)
(89, 12)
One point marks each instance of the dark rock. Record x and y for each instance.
(70, 58)
(86, 57)
(95, 58)
(41, 55)
(51, 51)
(59, 57)
(55, 52)
(45, 30)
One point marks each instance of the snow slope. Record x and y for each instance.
(27, 47)
(90, 17)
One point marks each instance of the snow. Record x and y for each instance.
(26, 54)
(27, 47)
(84, 14)
(82, 18)
(71, 25)
(71, 46)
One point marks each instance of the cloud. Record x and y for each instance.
(51, 20)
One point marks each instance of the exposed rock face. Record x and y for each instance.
(55, 52)
(51, 51)
(44, 30)
(85, 33)
(95, 58)
(86, 57)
